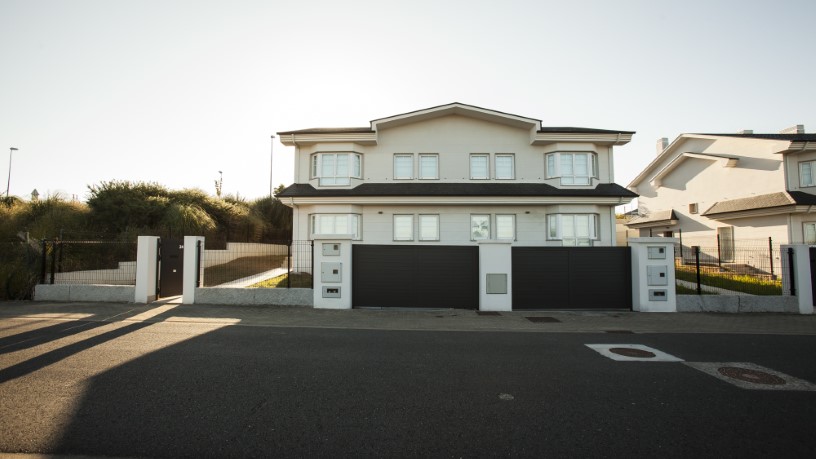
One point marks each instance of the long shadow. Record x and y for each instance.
(31, 338)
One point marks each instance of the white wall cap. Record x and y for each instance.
(653, 240)
(333, 237)
(493, 241)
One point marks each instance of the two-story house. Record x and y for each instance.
(419, 191)
(742, 186)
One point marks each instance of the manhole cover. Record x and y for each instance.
(488, 313)
(751, 376)
(543, 319)
(629, 352)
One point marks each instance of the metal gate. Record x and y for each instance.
(171, 267)
(411, 276)
(572, 278)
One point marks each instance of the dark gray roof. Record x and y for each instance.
(763, 201)
(788, 137)
(456, 189)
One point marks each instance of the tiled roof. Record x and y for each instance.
(456, 189)
(763, 201)
(654, 217)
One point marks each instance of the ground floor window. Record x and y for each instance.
(403, 227)
(429, 227)
(324, 224)
(573, 229)
(479, 227)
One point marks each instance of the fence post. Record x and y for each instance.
(696, 249)
(719, 253)
(311, 266)
(61, 250)
(44, 261)
(770, 256)
(681, 245)
(198, 263)
(791, 272)
(54, 248)
(289, 264)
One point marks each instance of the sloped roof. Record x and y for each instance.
(763, 201)
(788, 137)
(656, 217)
(456, 189)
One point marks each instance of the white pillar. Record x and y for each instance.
(801, 276)
(495, 276)
(653, 281)
(332, 272)
(146, 264)
(192, 271)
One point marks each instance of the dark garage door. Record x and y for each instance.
(572, 278)
(410, 276)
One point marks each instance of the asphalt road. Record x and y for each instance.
(140, 389)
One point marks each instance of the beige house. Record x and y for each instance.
(453, 175)
(741, 187)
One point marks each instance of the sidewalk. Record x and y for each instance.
(429, 320)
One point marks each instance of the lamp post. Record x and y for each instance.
(271, 150)
(8, 184)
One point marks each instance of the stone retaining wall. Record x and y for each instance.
(737, 303)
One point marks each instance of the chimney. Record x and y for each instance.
(795, 129)
(745, 131)
(662, 143)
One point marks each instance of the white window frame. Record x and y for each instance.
(425, 156)
(810, 166)
(512, 218)
(555, 229)
(473, 237)
(410, 175)
(354, 169)
(486, 157)
(512, 166)
(410, 235)
(422, 236)
(812, 226)
(353, 226)
(553, 165)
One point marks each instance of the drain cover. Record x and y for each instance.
(632, 352)
(751, 376)
(542, 319)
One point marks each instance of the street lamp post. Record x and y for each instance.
(271, 150)
(8, 184)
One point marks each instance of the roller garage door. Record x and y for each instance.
(411, 276)
(572, 278)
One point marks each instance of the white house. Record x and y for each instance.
(742, 186)
(454, 175)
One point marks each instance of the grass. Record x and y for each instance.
(735, 282)
(240, 268)
(298, 280)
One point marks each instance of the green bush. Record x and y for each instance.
(19, 271)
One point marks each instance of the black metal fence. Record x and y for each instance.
(740, 267)
(87, 262)
(283, 264)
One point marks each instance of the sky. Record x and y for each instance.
(175, 91)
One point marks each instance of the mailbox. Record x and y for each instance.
(657, 275)
(496, 283)
(331, 272)
(331, 249)
(658, 295)
(657, 253)
(331, 292)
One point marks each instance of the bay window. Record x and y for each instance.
(572, 229)
(323, 224)
(572, 168)
(336, 169)
(807, 170)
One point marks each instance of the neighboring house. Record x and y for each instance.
(738, 186)
(455, 175)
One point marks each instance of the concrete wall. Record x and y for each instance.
(737, 303)
(255, 296)
(77, 292)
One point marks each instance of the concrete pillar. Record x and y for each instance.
(147, 252)
(495, 276)
(332, 272)
(801, 276)
(193, 272)
(653, 281)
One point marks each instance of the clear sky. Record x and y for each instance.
(174, 91)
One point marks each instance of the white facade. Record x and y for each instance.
(433, 176)
(744, 184)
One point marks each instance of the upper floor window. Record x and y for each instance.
(403, 166)
(428, 166)
(336, 168)
(572, 168)
(479, 167)
(572, 229)
(505, 167)
(807, 170)
(323, 224)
